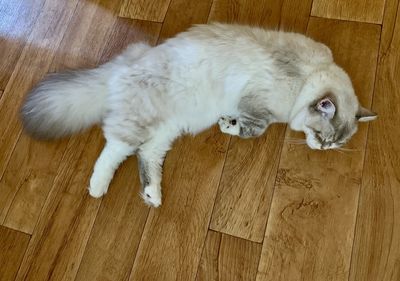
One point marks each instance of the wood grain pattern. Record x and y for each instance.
(376, 252)
(17, 20)
(228, 258)
(60, 237)
(116, 234)
(33, 63)
(252, 12)
(127, 31)
(27, 182)
(175, 233)
(12, 249)
(319, 215)
(69, 213)
(244, 196)
(358, 10)
(118, 228)
(208, 266)
(150, 10)
(178, 229)
(82, 46)
(310, 228)
(182, 14)
(238, 259)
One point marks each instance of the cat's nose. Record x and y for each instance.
(326, 144)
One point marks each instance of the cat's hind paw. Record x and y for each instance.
(152, 195)
(97, 187)
(229, 125)
(96, 192)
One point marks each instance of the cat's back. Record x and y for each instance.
(241, 41)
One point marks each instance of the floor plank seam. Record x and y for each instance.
(219, 183)
(144, 20)
(163, 22)
(89, 236)
(366, 145)
(346, 20)
(23, 257)
(384, 53)
(278, 159)
(138, 246)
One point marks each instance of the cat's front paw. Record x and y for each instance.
(152, 195)
(229, 125)
(97, 188)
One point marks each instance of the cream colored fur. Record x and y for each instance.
(148, 96)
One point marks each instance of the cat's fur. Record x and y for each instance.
(245, 78)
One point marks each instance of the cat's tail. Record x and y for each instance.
(66, 103)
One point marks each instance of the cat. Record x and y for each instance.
(243, 78)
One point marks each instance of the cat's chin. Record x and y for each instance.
(313, 146)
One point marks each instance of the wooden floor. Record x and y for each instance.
(261, 209)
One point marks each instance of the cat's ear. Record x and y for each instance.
(365, 115)
(326, 107)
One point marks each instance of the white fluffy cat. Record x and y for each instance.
(242, 77)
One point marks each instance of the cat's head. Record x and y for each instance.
(327, 110)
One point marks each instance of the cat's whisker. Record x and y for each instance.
(295, 141)
(338, 150)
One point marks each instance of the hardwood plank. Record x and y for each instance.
(116, 234)
(37, 162)
(247, 183)
(27, 181)
(87, 37)
(182, 14)
(34, 61)
(359, 10)
(228, 258)
(127, 31)
(12, 248)
(252, 12)
(311, 222)
(238, 259)
(17, 20)
(208, 267)
(178, 229)
(60, 237)
(182, 221)
(376, 251)
(244, 195)
(150, 10)
(290, 15)
(118, 227)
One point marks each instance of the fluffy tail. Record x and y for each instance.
(66, 103)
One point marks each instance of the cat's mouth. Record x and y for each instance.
(315, 142)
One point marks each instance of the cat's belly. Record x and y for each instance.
(198, 118)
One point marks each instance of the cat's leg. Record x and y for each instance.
(250, 126)
(254, 118)
(151, 155)
(113, 154)
(242, 126)
(229, 125)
